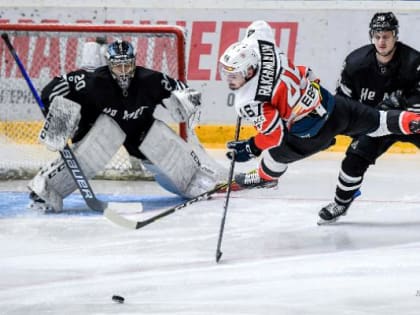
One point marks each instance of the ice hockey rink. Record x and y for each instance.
(276, 260)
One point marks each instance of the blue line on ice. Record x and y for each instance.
(14, 204)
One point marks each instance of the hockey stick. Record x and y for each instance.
(66, 154)
(228, 190)
(117, 218)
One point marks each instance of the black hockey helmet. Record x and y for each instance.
(383, 21)
(121, 60)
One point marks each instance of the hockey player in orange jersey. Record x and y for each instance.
(294, 115)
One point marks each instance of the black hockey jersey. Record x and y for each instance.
(98, 93)
(365, 80)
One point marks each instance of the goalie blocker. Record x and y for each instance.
(60, 123)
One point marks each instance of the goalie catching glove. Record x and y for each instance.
(60, 123)
(242, 150)
(182, 104)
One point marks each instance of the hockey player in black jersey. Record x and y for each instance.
(385, 75)
(113, 106)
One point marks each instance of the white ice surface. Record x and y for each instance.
(276, 260)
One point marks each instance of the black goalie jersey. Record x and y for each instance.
(98, 93)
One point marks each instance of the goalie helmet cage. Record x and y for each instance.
(49, 50)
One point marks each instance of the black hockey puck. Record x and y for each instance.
(118, 299)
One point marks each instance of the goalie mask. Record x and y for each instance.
(238, 64)
(121, 60)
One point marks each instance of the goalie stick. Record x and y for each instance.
(67, 154)
(113, 215)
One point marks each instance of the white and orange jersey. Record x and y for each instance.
(277, 96)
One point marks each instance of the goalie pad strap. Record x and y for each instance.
(60, 123)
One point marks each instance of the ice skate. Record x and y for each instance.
(39, 204)
(233, 187)
(332, 212)
(253, 180)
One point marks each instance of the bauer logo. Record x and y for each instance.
(77, 174)
(267, 74)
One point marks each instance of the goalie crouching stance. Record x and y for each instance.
(113, 106)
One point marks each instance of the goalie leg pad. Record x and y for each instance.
(176, 164)
(163, 180)
(93, 152)
(209, 166)
(60, 124)
(171, 157)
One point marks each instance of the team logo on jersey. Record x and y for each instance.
(266, 80)
(366, 95)
(110, 112)
(133, 115)
(258, 122)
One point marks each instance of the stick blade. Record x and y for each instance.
(116, 212)
(218, 255)
(96, 204)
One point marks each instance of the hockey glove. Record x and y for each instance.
(242, 150)
(60, 124)
(392, 102)
(182, 104)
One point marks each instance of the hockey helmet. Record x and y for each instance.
(235, 63)
(121, 60)
(383, 21)
(261, 30)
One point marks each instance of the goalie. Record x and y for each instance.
(113, 106)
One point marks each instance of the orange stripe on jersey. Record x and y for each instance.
(270, 131)
(279, 100)
(267, 141)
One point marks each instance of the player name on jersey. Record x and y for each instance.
(268, 71)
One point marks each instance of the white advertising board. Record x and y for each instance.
(315, 33)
